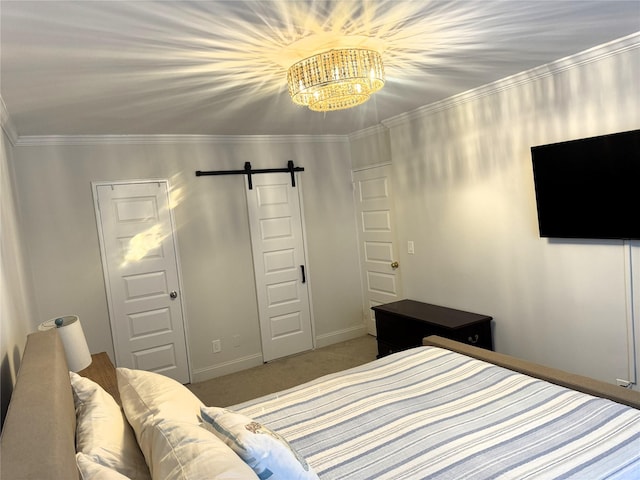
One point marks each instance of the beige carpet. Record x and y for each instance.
(285, 372)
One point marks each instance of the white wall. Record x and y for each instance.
(16, 318)
(54, 190)
(370, 147)
(464, 194)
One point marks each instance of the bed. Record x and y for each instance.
(445, 410)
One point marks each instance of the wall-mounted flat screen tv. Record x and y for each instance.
(589, 188)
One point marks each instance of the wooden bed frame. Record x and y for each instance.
(580, 383)
(38, 437)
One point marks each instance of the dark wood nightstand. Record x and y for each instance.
(403, 324)
(103, 373)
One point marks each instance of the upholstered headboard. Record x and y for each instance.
(38, 436)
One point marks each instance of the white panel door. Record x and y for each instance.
(376, 236)
(141, 273)
(279, 264)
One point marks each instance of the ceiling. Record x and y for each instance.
(219, 67)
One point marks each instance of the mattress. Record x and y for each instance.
(432, 413)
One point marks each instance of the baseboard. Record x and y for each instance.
(232, 366)
(340, 336)
(239, 364)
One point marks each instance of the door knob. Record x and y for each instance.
(394, 265)
(173, 294)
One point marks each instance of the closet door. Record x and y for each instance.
(376, 236)
(140, 266)
(280, 268)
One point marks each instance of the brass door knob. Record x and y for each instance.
(394, 265)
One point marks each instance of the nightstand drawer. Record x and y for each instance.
(385, 349)
(476, 335)
(402, 325)
(403, 333)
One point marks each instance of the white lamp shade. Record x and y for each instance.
(73, 340)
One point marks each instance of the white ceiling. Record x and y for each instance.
(219, 67)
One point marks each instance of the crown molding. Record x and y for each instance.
(368, 132)
(7, 124)
(594, 54)
(612, 48)
(79, 140)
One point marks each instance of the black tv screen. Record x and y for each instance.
(589, 188)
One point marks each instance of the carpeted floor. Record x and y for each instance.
(285, 372)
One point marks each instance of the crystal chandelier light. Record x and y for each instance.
(336, 79)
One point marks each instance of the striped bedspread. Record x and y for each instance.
(432, 413)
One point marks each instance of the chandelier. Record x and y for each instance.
(336, 79)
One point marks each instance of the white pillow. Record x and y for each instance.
(182, 451)
(265, 451)
(165, 416)
(102, 432)
(92, 470)
(148, 398)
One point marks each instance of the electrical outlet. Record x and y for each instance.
(217, 347)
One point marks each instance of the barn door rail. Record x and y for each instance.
(248, 171)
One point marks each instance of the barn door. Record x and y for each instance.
(280, 268)
(140, 266)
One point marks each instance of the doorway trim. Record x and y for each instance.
(367, 313)
(103, 258)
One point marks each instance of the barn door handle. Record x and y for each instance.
(304, 277)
